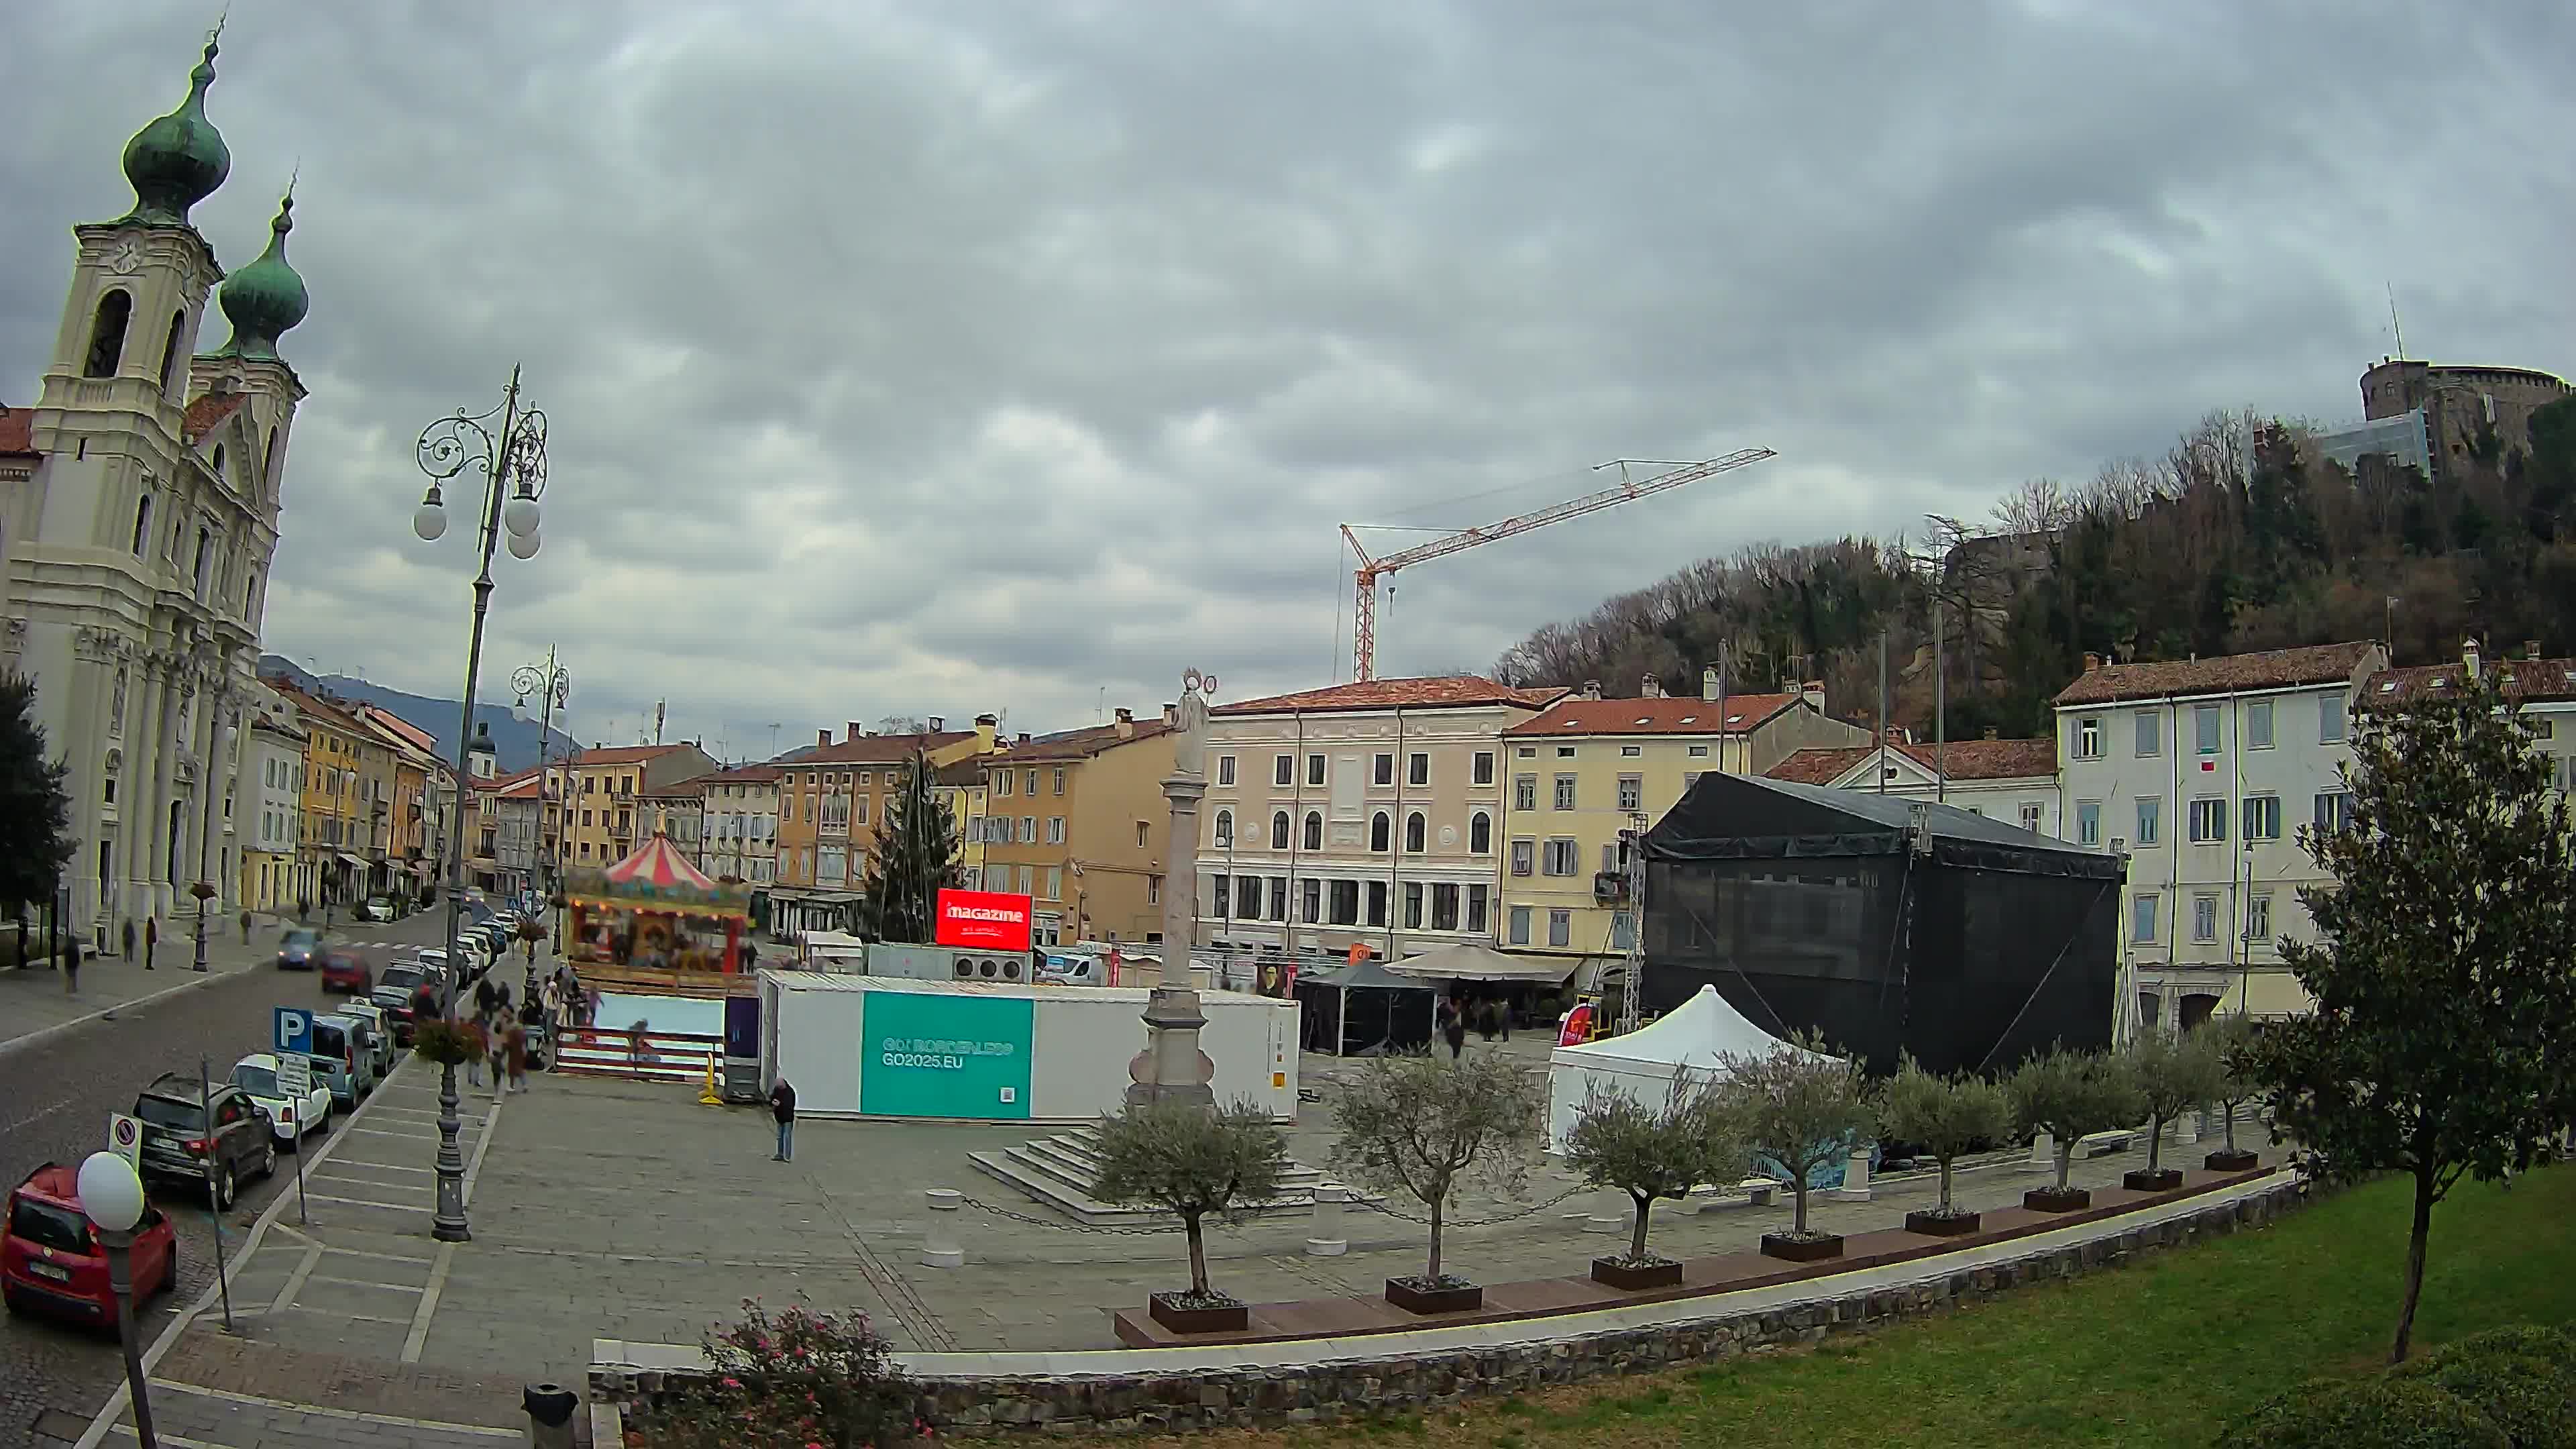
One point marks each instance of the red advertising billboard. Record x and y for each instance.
(984, 920)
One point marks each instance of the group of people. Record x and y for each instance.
(548, 1005)
(1456, 1014)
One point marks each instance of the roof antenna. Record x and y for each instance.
(2393, 324)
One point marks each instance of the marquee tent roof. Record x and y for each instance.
(1693, 1035)
(657, 863)
(1468, 961)
(1371, 973)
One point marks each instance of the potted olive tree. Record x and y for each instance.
(1944, 1118)
(2231, 1040)
(1803, 1108)
(2071, 1095)
(1427, 1127)
(2173, 1077)
(1651, 1153)
(1191, 1162)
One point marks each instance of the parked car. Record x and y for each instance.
(379, 1034)
(394, 988)
(293, 1116)
(362, 1049)
(217, 1137)
(298, 948)
(51, 1262)
(335, 1057)
(346, 971)
(378, 908)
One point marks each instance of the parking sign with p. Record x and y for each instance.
(294, 1029)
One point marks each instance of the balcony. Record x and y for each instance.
(1610, 887)
(622, 830)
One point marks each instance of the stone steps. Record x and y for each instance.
(1063, 1172)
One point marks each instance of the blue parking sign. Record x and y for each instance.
(294, 1029)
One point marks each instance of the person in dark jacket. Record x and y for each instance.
(782, 1105)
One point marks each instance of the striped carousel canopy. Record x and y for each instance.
(658, 865)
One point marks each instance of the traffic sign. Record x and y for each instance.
(125, 1138)
(294, 1029)
(294, 1077)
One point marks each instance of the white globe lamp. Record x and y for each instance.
(429, 520)
(519, 515)
(524, 545)
(110, 1194)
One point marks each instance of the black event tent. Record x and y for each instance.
(1889, 925)
(1364, 1010)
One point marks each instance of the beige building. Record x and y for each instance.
(738, 825)
(601, 804)
(139, 506)
(1367, 814)
(1587, 772)
(1077, 821)
(831, 806)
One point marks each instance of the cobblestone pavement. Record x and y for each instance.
(59, 1091)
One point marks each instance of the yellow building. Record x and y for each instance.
(602, 808)
(831, 807)
(337, 822)
(1586, 770)
(963, 788)
(1077, 821)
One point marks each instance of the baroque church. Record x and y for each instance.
(139, 503)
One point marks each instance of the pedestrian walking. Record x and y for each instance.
(303, 910)
(483, 996)
(517, 1037)
(1453, 1027)
(151, 938)
(474, 1059)
(71, 971)
(782, 1105)
(245, 927)
(499, 1041)
(129, 938)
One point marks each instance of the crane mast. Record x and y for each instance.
(1370, 570)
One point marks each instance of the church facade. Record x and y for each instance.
(139, 503)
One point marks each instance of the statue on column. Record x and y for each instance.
(1189, 743)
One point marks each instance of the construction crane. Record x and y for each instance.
(1364, 612)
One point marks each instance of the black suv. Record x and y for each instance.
(180, 1145)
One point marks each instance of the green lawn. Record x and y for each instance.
(2158, 1353)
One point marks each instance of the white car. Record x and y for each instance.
(257, 1075)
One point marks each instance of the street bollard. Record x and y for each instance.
(1610, 1210)
(1326, 1237)
(2186, 1129)
(1855, 1186)
(939, 1245)
(2043, 1154)
(550, 1409)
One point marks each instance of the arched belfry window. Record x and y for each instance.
(268, 463)
(142, 523)
(219, 462)
(107, 333)
(170, 350)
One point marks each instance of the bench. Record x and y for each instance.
(1754, 1191)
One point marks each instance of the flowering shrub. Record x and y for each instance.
(448, 1042)
(796, 1379)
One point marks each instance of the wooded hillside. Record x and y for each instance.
(2238, 538)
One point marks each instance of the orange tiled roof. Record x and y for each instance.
(331, 713)
(208, 413)
(742, 775)
(879, 749)
(622, 755)
(1963, 759)
(17, 432)
(1448, 691)
(1080, 744)
(2227, 674)
(1665, 716)
(2549, 679)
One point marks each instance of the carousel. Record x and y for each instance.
(653, 911)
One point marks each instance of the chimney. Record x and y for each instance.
(823, 738)
(987, 727)
(1708, 685)
(1024, 737)
(1650, 687)
(1813, 691)
(1126, 723)
(938, 724)
(1992, 733)
(2531, 649)
(1592, 689)
(2092, 662)
(855, 731)
(1172, 716)
(2469, 656)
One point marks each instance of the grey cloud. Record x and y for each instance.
(918, 358)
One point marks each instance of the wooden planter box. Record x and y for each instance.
(2225, 1161)
(1411, 1299)
(1937, 1226)
(2051, 1200)
(1802, 1250)
(2163, 1179)
(1636, 1276)
(1225, 1318)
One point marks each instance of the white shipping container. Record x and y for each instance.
(1072, 1066)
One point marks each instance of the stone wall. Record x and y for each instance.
(1402, 1383)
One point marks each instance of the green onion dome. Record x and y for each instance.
(178, 160)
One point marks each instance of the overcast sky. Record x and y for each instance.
(947, 357)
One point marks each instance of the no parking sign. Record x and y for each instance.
(125, 1138)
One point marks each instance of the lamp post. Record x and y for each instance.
(111, 1197)
(1171, 1068)
(513, 463)
(204, 889)
(555, 686)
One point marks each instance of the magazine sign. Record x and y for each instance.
(983, 920)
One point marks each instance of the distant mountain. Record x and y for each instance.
(515, 741)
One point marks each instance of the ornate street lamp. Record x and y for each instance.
(554, 685)
(513, 463)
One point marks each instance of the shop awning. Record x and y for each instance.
(359, 861)
(1470, 962)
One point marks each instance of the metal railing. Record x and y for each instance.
(646, 1056)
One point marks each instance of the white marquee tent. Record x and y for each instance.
(1644, 1063)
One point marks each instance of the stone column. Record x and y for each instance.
(145, 802)
(1171, 1068)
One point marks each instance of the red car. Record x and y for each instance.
(346, 971)
(50, 1261)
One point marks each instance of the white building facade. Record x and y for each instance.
(738, 824)
(2014, 781)
(2202, 772)
(1348, 816)
(137, 523)
(270, 821)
